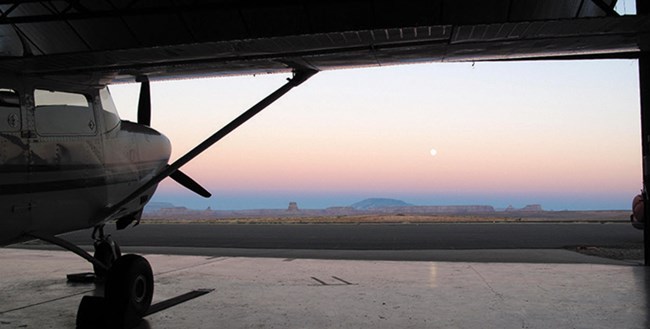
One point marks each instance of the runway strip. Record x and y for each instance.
(375, 236)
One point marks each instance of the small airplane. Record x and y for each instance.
(85, 168)
(68, 162)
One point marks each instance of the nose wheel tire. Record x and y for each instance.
(129, 290)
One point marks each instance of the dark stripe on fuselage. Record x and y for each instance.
(124, 176)
(23, 168)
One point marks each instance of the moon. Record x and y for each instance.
(434, 152)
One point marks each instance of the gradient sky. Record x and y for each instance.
(562, 134)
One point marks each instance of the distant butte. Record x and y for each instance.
(293, 206)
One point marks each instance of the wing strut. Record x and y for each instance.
(299, 76)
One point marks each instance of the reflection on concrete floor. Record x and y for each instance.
(307, 293)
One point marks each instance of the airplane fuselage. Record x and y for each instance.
(66, 158)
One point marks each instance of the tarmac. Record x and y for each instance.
(377, 236)
(268, 292)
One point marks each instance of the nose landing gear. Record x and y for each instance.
(128, 284)
(128, 292)
(107, 251)
(128, 287)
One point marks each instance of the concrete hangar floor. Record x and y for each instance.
(251, 289)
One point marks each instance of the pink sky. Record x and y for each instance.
(569, 129)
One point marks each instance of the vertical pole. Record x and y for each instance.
(644, 92)
(643, 8)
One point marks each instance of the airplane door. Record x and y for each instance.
(66, 161)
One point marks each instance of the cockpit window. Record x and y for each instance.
(51, 98)
(9, 110)
(59, 113)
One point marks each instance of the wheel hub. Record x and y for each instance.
(139, 288)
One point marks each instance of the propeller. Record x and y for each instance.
(144, 103)
(299, 76)
(189, 183)
(144, 118)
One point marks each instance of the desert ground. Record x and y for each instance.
(542, 216)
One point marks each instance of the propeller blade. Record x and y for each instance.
(189, 183)
(144, 104)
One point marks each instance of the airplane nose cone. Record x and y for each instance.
(151, 144)
(155, 147)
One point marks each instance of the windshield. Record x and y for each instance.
(109, 111)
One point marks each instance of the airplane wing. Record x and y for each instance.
(118, 40)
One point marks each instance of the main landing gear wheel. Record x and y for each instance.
(128, 291)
